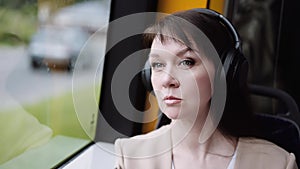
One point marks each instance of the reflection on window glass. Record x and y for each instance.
(52, 57)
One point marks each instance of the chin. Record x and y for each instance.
(171, 115)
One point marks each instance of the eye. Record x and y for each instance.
(186, 63)
(157, 66)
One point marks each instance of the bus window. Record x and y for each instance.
(52, 57)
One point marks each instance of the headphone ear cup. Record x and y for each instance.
(236, 69)
(227, 61)
(242, 71)
(146, 77)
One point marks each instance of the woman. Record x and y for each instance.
(209, 127)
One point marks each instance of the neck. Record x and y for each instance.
(186, 136)
(188, 129)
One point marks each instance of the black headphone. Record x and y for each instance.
(234, 63)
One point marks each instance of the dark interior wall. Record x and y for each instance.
(258, 23)
(111, 123)
(288, 54)
(270, 42)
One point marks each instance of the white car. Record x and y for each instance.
(56, 47)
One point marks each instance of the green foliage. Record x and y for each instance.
(16, 3)
(17, 25)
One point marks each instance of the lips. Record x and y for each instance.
(171, 100)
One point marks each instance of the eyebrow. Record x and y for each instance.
(179, 53)
(182, 51)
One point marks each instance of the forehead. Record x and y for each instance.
(169, 44)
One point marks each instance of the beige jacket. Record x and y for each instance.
(154, 151)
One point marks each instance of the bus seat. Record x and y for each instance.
(285, 100)
(279, 128)
(281, 131)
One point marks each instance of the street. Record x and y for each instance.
(21, 84)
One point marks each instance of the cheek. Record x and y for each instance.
(204, 87)
(198, 86)
(154, 82)
(205, 81)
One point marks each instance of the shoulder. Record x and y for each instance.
(152, 143)
(268, 153)
(261, 145)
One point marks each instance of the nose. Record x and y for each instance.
(169, 81)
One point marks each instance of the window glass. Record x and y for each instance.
(50, 76)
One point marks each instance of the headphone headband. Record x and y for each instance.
(224, 21)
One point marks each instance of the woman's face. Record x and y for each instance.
(180, 79)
